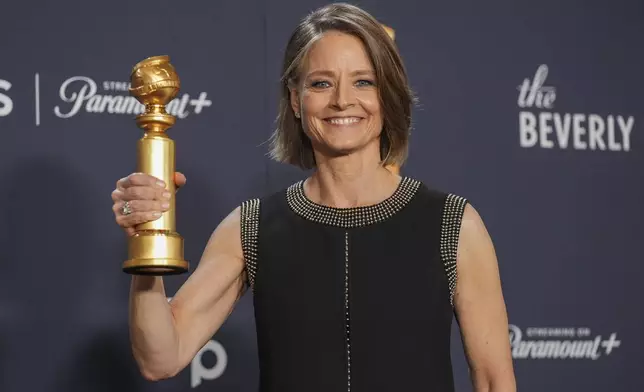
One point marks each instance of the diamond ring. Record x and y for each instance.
(126, 209)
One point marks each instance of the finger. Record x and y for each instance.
(144, 193)
(179, 179)
(130, 231)
(137, 218)
(122, 183)
(143, 179)
(140, 179)
(142, 206)
(117, 195)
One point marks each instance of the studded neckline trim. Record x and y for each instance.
(352, 216)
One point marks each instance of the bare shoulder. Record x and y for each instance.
(221, 264)
(226, 243)
(227, 233)
(225, 246)
(476, 263)
(474, 238)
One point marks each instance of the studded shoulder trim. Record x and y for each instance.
(450, 231)
(249, 235)
(354, 216)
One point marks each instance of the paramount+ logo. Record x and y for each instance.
(540, 126)
(83, 95)
(567, 343)
(200, 372)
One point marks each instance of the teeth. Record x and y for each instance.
(344, 121)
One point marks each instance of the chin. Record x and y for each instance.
(340, 149)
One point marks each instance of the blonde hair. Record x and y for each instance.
(289, 143)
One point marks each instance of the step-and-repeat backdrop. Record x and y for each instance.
(532, 110)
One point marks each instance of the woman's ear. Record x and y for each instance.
(295, 99)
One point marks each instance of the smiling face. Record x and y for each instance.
(338, 98)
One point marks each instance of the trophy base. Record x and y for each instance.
(155, 267)
(156, 253)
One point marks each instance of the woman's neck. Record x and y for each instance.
(350, 181)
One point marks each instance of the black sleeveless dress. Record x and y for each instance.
(354, 299)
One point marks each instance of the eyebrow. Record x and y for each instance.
(324, 72)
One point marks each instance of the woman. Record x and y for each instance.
(356, 271)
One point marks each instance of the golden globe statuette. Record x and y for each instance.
(156, 248)
(390, 31)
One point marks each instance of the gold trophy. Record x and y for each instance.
(156, 248)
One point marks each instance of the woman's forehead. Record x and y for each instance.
(337, 52)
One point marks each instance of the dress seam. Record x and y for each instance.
(347, 308)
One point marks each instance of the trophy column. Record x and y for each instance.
(156, 248)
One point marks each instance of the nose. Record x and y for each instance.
(343, 96)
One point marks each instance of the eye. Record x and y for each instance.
(320, 84)
(364, 83)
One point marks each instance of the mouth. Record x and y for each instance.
(343, 120)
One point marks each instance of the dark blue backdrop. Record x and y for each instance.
(531, 110)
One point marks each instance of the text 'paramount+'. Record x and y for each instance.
(541, 127)
(561, 343)
(82, 93)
